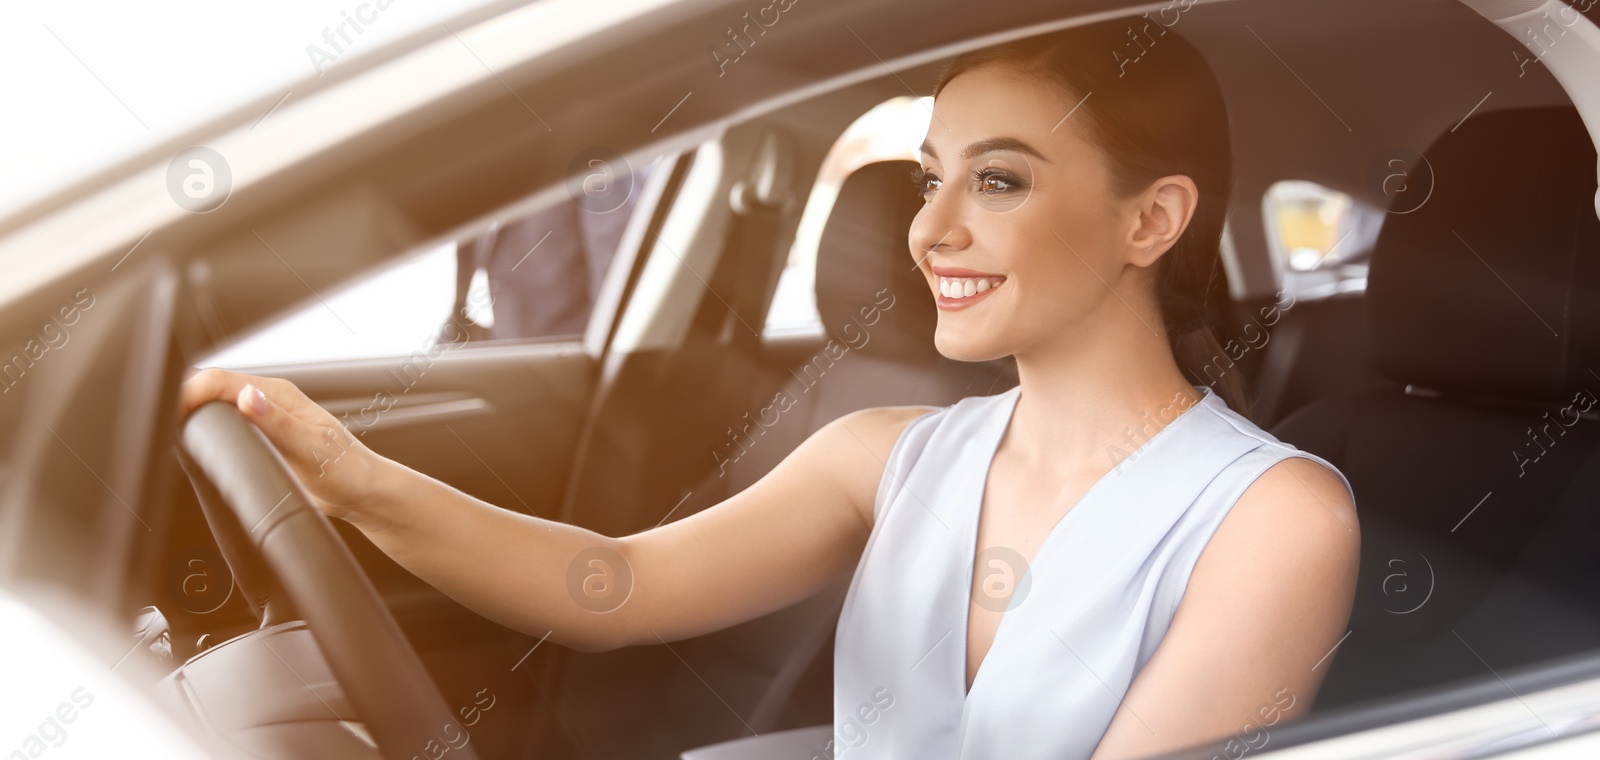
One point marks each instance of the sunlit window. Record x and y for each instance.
(392, 313)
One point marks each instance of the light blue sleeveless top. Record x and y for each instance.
(1080, 621)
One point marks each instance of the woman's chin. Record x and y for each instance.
(965, 347)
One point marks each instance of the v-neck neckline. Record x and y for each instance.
(1005, 416)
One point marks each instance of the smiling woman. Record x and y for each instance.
(1072, 220)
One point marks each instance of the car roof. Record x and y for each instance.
(416, 143)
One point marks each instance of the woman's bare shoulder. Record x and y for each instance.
(877, 428)
(856, 447)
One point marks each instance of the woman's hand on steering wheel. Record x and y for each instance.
(334, 467)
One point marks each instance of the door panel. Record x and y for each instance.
(499, 423)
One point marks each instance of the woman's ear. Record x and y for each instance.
(1160, 215)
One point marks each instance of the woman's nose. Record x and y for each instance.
(937, 227)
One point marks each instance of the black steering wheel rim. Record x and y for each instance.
(291, 552)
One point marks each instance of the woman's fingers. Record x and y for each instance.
(327, 459)
(290, 419)
(211, 384)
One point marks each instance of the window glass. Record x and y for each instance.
(533, 278)
(1320, 238)
(891, 130)
(391, 313)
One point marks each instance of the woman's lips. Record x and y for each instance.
(964, 291)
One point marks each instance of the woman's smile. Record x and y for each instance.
(960, 288)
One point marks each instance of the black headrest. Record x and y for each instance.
(863, 250)
(1492, 286)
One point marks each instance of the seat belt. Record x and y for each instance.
(735, 309)
(739, 284)
(1279, 367)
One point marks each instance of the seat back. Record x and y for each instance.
(1477, 478)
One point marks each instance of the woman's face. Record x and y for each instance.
(1020, 236)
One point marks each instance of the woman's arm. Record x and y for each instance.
(1266, 604)
(782, 539)
(777, 542)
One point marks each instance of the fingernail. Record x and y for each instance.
(258, 400)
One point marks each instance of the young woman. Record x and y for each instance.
(1105, 561)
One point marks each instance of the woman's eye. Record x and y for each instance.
(995, 181)
(925, 182)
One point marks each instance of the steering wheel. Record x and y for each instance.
(290, 553)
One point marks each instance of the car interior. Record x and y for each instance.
(1454, 388)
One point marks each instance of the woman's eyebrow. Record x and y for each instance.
(989, 145)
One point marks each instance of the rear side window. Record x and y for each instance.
(892, 130)
(1320, 239)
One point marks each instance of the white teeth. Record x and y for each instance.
(963, 287)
